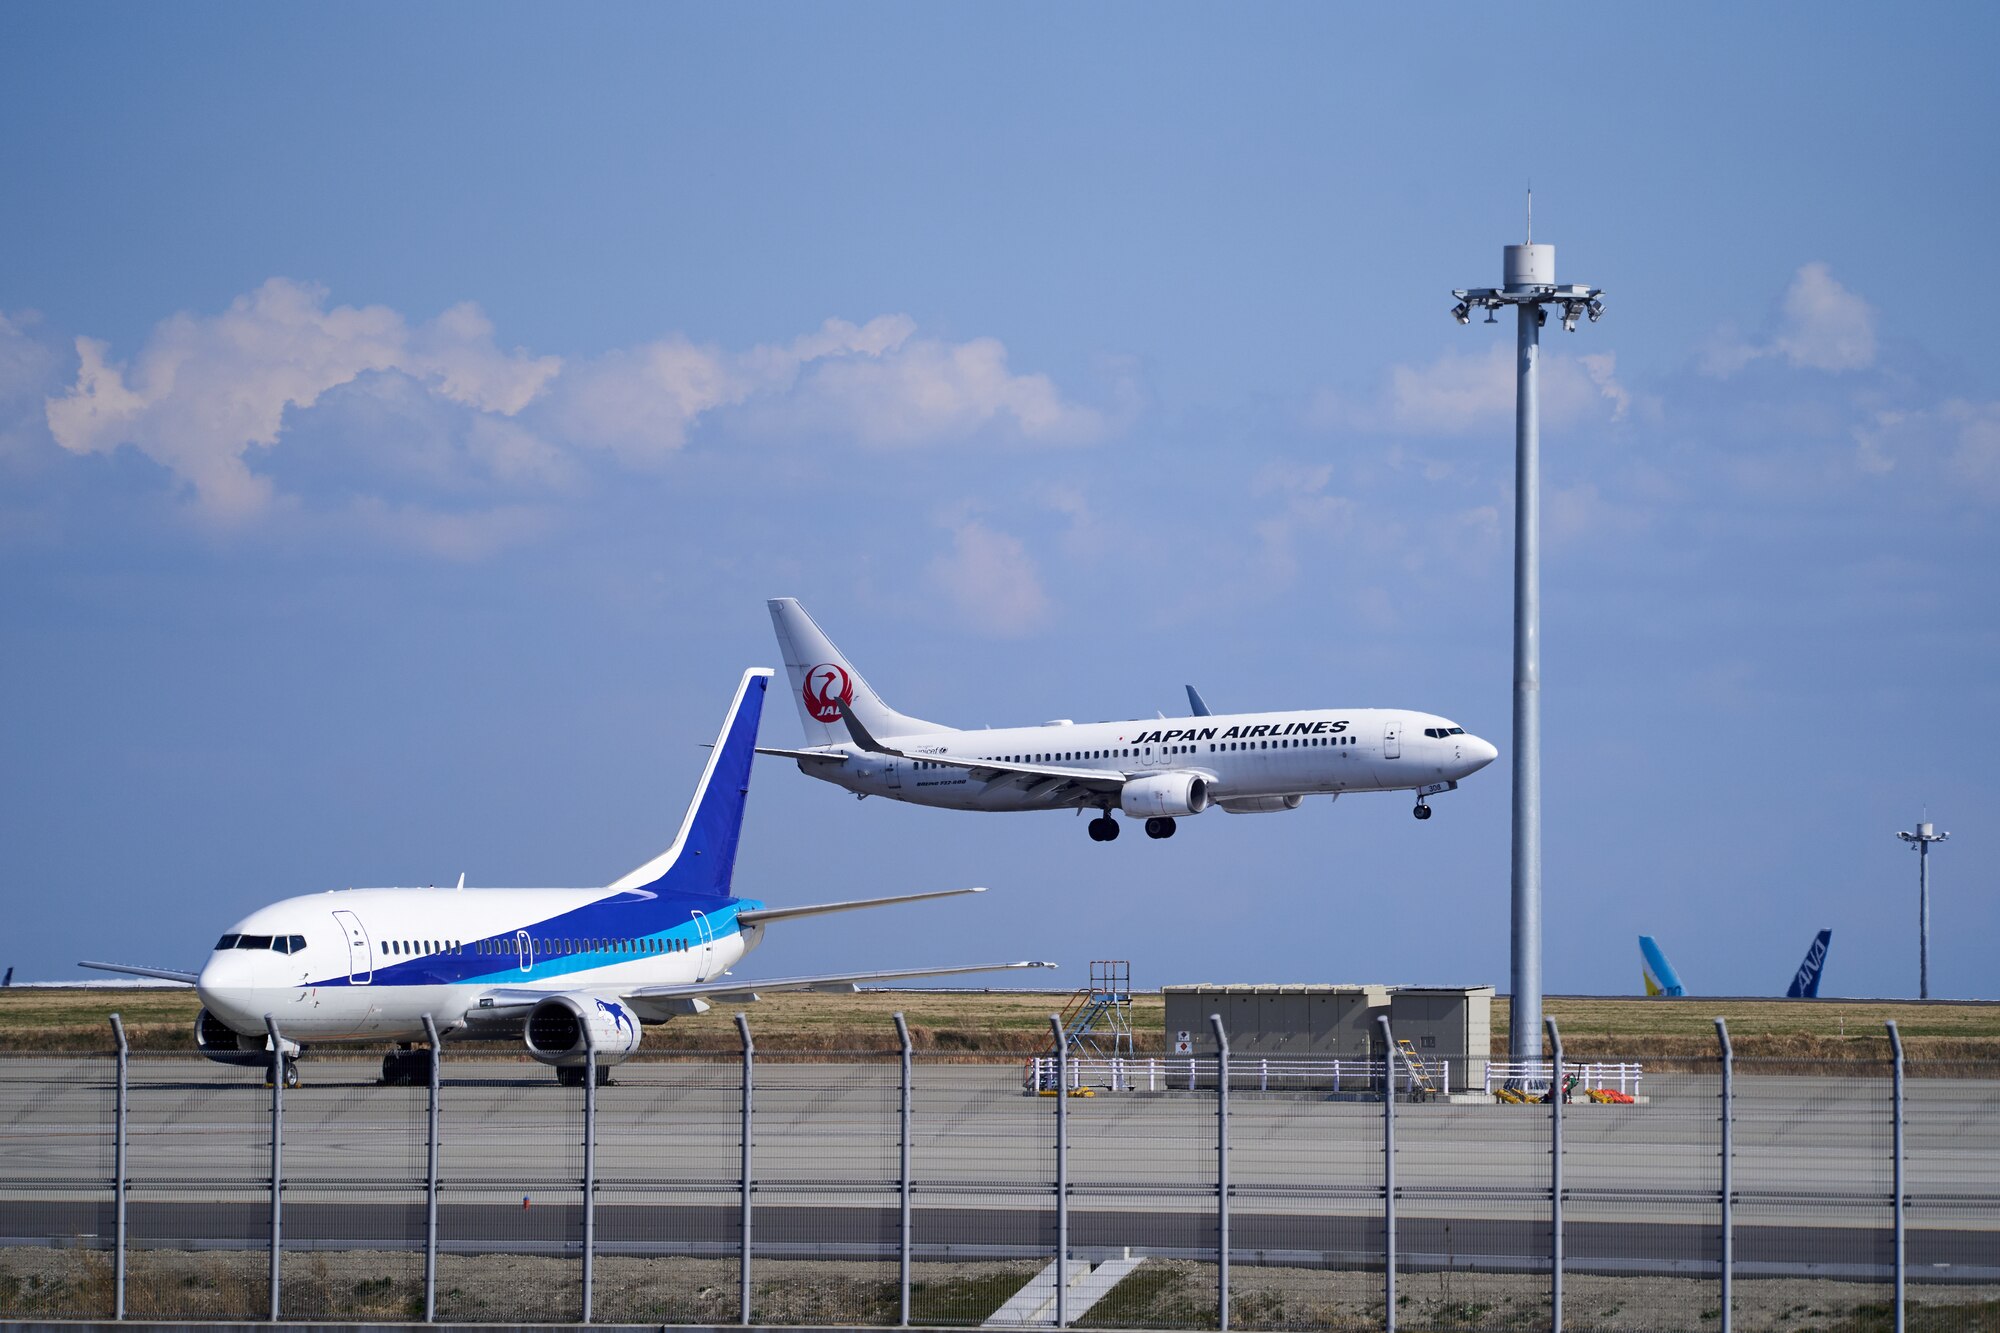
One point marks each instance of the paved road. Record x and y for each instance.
(1812, 1161)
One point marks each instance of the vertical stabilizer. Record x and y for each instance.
(823, 680)
(702, 859)
(1805, 982)
(1656, 971)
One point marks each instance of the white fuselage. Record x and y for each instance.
(1243, 756)
(374, 962)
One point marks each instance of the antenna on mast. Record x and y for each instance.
(1531, 212)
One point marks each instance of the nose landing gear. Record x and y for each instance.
(1104, 828)
(1423, 811)
(291, 1074)
(1159, 827)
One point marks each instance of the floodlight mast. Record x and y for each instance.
(1530, 286)
(1920, 843)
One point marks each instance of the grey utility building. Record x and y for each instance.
(1453, 1023)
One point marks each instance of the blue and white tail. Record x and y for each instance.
(823, 681)
(1805, 982)
(702, 859)
(1656, 971)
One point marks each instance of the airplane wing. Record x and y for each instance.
(761, 914)
(163, 973)
(507, 1003)
(1093, 780)
(732, 989)
(822, 756)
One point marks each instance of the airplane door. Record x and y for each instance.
(360, 959)
(1392, 738)
(892, 772)
(524, 946)
(704, 945)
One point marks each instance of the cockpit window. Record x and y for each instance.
(288, 943)
(1454, 731)
(253, 941)
(226, 942)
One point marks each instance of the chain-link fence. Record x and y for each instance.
(924, 1187)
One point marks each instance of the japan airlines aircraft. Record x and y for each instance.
(1159, 770)
(558, 969)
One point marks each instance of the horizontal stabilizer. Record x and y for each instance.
(822, 756)
(162, 973)
(763, 914)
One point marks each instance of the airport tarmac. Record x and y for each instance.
(1812, 1165)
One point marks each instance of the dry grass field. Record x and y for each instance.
(1015, 1022)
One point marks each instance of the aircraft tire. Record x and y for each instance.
(1422, 812)
(1104, 829)
(1159, 827)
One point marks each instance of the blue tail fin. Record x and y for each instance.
(703, 856)
(1656, 971)
(1805, 983)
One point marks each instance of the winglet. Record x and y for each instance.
(858, 730)
(1197, 703)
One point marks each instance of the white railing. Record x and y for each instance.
(1161, 1073)
(1591, 1074)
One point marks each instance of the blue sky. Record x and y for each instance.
(405, 414)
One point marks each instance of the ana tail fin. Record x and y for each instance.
(1805, 982)
(823, 681)
(703, 856)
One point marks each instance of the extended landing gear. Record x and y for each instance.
(291, 1074)
(1424, 811)
(1159, 826)
(572, 1077)
(1104, 829)
(405, 1068)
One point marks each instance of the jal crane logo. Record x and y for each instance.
(827, 691)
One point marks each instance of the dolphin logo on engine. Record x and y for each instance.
(618, 1015)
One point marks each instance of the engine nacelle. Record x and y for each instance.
(1168, 795)
(225, 1045)
(1261, 805)
(556, 1027)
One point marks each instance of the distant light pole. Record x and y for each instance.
(1530, 275)
(1920, 842)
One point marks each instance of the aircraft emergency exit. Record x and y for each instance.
(562, 970)
(1159, 770)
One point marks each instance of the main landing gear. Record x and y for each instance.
(405, 1068)
(1424, 811)
(1159, 827)
(571, 1076)
(291, 1075)
(1104, 828)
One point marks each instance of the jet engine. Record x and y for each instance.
(556, 1027)
(225, 1045)
(1165, 795)
(1261, 805)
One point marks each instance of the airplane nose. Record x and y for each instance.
(221, 985)
(1480, 753)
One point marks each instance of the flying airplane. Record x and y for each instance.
(1160, 770)
(557, 969)
(1660, 978)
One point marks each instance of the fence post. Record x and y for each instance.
(589, 1166)
(1062, 1171)
(1388, 1175)
(749, 1066)
(431, 1175)
(1896, 1094)
(1728, 1174)
(903, 1153)
(277, 1156)
(1555, 1176)
(118, 1141)
(1221, 1171)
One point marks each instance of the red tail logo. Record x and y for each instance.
(827, 691)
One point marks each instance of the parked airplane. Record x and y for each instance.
(1661, 979)
(1159, 770)
(559, 969)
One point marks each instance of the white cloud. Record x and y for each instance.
(204, 390)
(1821, 326)
(992, 581)
(27, 366)
(1975, 458)
(1462, 392)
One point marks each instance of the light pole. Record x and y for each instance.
(1920, 842)
(1530, 287)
